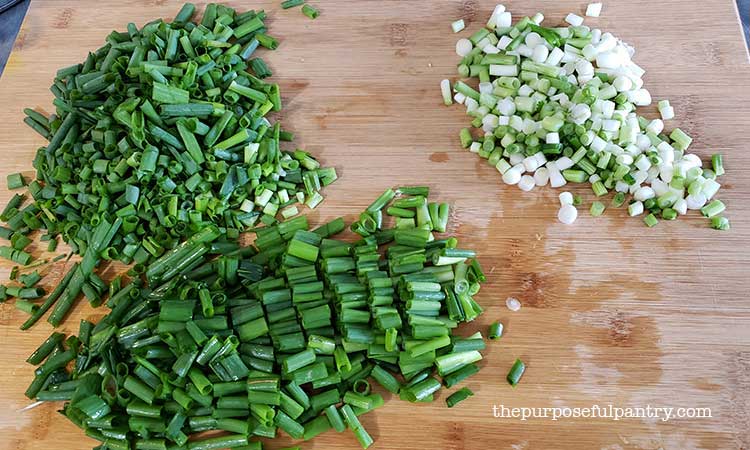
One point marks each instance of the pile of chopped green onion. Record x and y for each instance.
(157, 135)
(282, 335)
(558, 105)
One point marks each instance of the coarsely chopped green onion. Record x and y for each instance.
(458, 396)
(496, 331)
(460, 375)
(16, 181)
(17, 256)
(310, 12)
(516, 372)
(281, 335)
(46, 348)
(30, 279)
(286, 4)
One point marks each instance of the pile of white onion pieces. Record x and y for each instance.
(614, 57)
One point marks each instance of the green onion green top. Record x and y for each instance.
(277, 337)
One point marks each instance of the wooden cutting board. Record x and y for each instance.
(613, 312)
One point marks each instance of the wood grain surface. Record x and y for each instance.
(613, 313)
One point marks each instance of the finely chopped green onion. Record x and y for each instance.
(720, 223)
(279, 336)
(650, 220)
(597, 208)
(618, 200)
(712, 209)
(557, 105)
(717, 162)
(458, 25)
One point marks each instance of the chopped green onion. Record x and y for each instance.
(668, 214)
(714, 208)
(251, 330)
(618, 200)
(310, 12)
(597, 209)
(542, 128)
(286, 4)
(170, 135)
(717, 162)
(650, 220)
(458, 25)
(720, 223)
(16, 181)
(496, 331)
(516, 372)
(458, 396)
